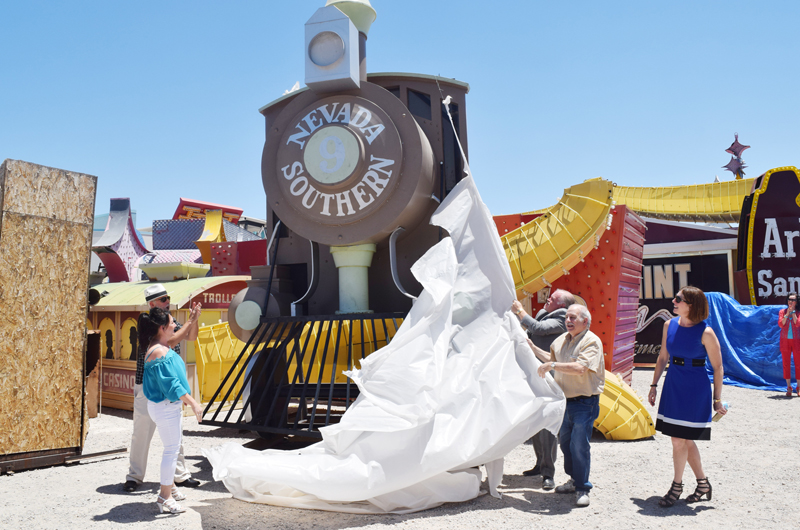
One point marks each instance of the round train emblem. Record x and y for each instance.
(339, 160)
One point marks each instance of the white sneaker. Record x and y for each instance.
(581, 498)
(567, 487)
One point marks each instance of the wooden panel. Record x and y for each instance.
(113, 400)
(632, 248)
(45, 241)
(48, 192)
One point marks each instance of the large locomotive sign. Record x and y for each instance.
(772, 233)
(353, 167)
(339, 159)
(348, 168)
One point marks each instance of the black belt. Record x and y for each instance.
(680, 361)
(576, 398)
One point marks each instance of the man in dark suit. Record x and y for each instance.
(542, 331)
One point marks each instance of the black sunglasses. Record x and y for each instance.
(793, 299)
(164, 299)
(679, 299)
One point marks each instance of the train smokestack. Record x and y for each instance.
(336, 45)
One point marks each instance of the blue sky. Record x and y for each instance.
(160, 99)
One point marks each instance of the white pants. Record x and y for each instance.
(167, 417)
(143, 429)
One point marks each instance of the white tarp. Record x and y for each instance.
(455, 388)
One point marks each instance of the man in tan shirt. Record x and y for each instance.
(576, 357)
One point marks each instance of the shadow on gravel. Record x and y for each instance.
(221, 432)
(126, 414)
(134, 512)
(535, 500)
(204, 475)
(148, 488)
(599, 438)
(781, 397)
(651, 508)
(235, 514)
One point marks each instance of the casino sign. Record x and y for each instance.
(770, 233)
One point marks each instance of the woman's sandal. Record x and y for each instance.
(169, 506)
(674, 493)
(703, 490)
(177, 494)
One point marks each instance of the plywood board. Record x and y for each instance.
(45, 241)
(47, 192)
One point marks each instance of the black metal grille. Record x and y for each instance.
(291, 372)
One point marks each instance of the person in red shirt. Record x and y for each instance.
(790, 342)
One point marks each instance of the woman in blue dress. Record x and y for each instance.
(687, 402)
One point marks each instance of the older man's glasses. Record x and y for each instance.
(164, 299)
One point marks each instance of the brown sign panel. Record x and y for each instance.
(120, 381)
(340, 161)
(219, 296)
(773, 237)
(347, 168)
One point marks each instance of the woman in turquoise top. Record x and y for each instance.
(165, 387)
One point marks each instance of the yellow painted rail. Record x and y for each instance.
(364, 338)
(326, 346)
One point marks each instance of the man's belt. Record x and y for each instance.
(577, 398)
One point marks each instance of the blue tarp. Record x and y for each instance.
(748, 336)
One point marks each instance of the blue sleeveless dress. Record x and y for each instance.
(686, 400)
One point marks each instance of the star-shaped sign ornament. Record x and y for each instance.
(736, 149)
(736, 167)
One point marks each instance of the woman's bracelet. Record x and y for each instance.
(651, 386)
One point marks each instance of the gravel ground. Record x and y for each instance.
(752, 462)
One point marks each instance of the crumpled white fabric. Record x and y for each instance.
(456, 388)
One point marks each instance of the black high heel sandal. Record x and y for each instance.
(674, 493)
(703, 490)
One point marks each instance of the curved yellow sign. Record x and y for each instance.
(714, 202)
(543, 250)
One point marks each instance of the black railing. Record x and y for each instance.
(291, 372)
